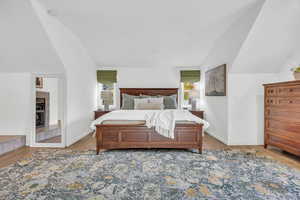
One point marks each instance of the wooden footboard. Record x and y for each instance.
(187, 136)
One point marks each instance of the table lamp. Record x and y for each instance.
(107, 99)
(194, 95)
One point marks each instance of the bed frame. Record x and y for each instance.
(120, 136)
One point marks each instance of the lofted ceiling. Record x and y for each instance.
(157, 33)
(272, 40)
(143, 33)
(24, 45)
(228, 45)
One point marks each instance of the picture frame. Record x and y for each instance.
(39, 82)
(215, 81)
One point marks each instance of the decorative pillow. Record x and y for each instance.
(170, 102)
(149, 106)
(128, 101)
(140, 101)
(156, 100)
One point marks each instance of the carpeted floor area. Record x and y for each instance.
(149, 174)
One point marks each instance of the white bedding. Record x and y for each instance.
(163, 120)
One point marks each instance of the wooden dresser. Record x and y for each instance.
(282, 116)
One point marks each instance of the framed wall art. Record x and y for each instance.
(215, 81)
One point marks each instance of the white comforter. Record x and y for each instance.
(162, 120)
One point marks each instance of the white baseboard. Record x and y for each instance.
(13, 132)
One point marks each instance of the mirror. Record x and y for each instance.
(48, 110)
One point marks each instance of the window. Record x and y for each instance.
(190, 88)
(107, 87)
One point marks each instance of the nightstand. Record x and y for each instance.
(99, 113)
(198, 113)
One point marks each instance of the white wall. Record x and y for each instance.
(80, 75)
(271, 40)
(15, 103)
(246, 108)
(237, 119)
(51, 85)
(215, 111)
(24, 44)
(224, 51)
(293, 61)
(148, 77)
(285, 74)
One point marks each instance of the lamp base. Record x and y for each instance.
(194, 104)
(106, 107)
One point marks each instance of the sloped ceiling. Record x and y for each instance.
(272, 39)
(143, 33)
(227, 46)
(24, 46)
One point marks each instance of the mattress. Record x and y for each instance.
(137, 122)
(125, 122)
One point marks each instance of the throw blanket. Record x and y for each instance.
(162, 120)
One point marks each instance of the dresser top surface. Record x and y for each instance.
(286, 83)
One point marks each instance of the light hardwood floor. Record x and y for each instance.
(210, 143)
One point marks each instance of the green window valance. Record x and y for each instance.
(190, 76)
(107, 77)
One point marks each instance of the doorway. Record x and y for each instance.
(48, 110)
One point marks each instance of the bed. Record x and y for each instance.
(118, 135)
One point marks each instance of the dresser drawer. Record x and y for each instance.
(292, 91)
(288, 145)
(271, 91)
(288, 101)
(284, 114)
(270, 101)
(293, 136)
(283, 101)
(283, 126)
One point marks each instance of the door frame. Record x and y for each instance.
(62, 83)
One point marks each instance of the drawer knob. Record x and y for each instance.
(291, 90)
(290, 101)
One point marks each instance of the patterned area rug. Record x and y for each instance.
(148, 174)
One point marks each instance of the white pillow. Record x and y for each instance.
(156, 100)
(149, 106)
(140, 101)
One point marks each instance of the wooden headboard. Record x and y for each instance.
(148, 91)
